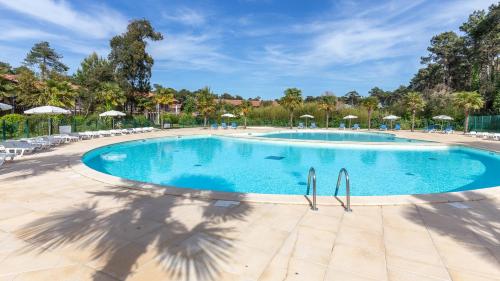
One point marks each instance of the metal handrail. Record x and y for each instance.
(312, 174)
(347, 207)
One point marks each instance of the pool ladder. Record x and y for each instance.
(312, 175)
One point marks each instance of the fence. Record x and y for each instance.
(14, 129)
(489, 123)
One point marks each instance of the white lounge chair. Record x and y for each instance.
(6, 154)
(116, 132)
(18, 147)
(40, 143)
(67, 138)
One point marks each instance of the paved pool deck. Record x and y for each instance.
(59, 224)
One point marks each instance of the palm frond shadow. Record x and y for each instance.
(474, 224)
(183, 250)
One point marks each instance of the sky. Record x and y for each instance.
(247, 47)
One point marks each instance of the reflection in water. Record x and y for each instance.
(326, 156)
(206, 149)
(369, 157)
(244, 149)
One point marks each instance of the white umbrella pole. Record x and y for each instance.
(113, 123)
(349, 123)
(50, 127)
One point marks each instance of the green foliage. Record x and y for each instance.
(129, 57)
(7, 90)
(164, 96)
(370, 103)
(93, 72)
(352, 98)
(414, 102)
(291, 101)
(244, 109)
(327, 103)
(110, 96)
(170, 118)
(187, 120)
(57, 93)
(468, 101)
(45, 58)
(189, 105)
(13, 118)
(205, 104)
(463, 63)
(27, 88)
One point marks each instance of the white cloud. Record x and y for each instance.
(100, 23)
(187, 51)
(366, 35)
(19, 33)
(186, 16)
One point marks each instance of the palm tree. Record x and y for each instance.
(205, 103)
(328, 103)
(164, 96)
(370, 103)
(111, 95)
(468, 101)
(414, 102)
(245, 107)
(291, 102)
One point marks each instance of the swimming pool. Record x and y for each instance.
(338, 136)
(271, 167)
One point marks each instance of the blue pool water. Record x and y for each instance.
(230, 164)
(339, 136)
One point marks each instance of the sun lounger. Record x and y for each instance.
(448, 130)
(484, 135)
(342, 126)
(356, 126)
(214, 126)
(471, 134)
(85, 135)
(313, 125)
(234, 125)
(18, 147)
(496, 136)
(397, 127)
(301, 126)
(6, 154)
(67, 137)
(39, 142)
(430, 129)
(383, 127)
(116, 132)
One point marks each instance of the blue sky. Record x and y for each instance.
(247, 47)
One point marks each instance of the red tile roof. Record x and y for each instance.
(255, 103)
(10, 77)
